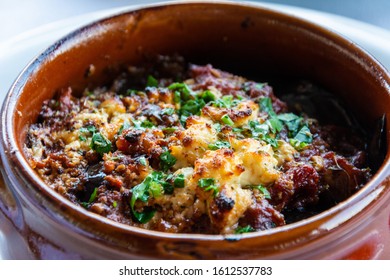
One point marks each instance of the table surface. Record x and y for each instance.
(21, 16)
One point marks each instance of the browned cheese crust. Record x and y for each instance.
(213, 153)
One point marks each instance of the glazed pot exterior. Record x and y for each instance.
(241, 38)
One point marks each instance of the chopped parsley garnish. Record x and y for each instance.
(141, 192)
(176, 97)
(168, 130)
(219, 145)
(142, 125)
(192, 107)
(156, 189)
(124, 126)
(154, 185)
(185, 93)
(93, 195)
(207, 96)
(190, 103)
(151, 81)
(217, 127)
(208, 184)
(304, 135)
(130, 92)
(266, 106)
(260, 86)
(91, 198)
(263, 190)
(114, 204)
(292, 122)
(179, 181)
(226, 101)
(275, 124)
(227, 120)
(298, 145)
(100, 143)
(142, 160)
(261, 132)
(82, 138)
(147, 124)
(88, 129)
(167, 161)
(168, 111)
(302, 139)
(245, 229)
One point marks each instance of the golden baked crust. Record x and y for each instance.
(215, 153)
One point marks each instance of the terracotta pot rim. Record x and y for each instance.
(13, 158)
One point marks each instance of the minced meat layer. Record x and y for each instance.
(192, 149)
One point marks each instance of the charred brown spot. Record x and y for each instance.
(240, 168)
(133, 136)
(220, 206)
(236, 115)
(228, 152)
(224, 203)
(187, 140)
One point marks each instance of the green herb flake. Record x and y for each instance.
(227, 101)
(246, 229)
(292, 122)
(114, 204)
(168, 188)
(142, 125)
(219, 145)
(82, 138)
(217, 127)
(131, 92)
(263, 190)
(298, 145)
(176, 97)
(167, 161)
(183, 120)
(260, 131)
(208, 184)
(227, 120)
(155, 189)
(100, 143)
(192, 107)
(238, 130)
(151, 81)
(167, 111)
(168, 130)
(184, 90)
(93, 196)
(266, 106)
(179, 181)
(275, 124)
(141, 192)
(269, 140)
(126, 125)
(147, 124)
(88, 129)
(304, 135)
(260, 86)
(142, 160)
(207, 96)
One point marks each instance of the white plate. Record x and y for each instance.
(16, 53)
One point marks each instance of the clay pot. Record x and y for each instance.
(240, 38)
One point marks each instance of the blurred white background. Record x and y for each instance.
(23, 15)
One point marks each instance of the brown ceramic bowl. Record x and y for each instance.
(241, 38)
